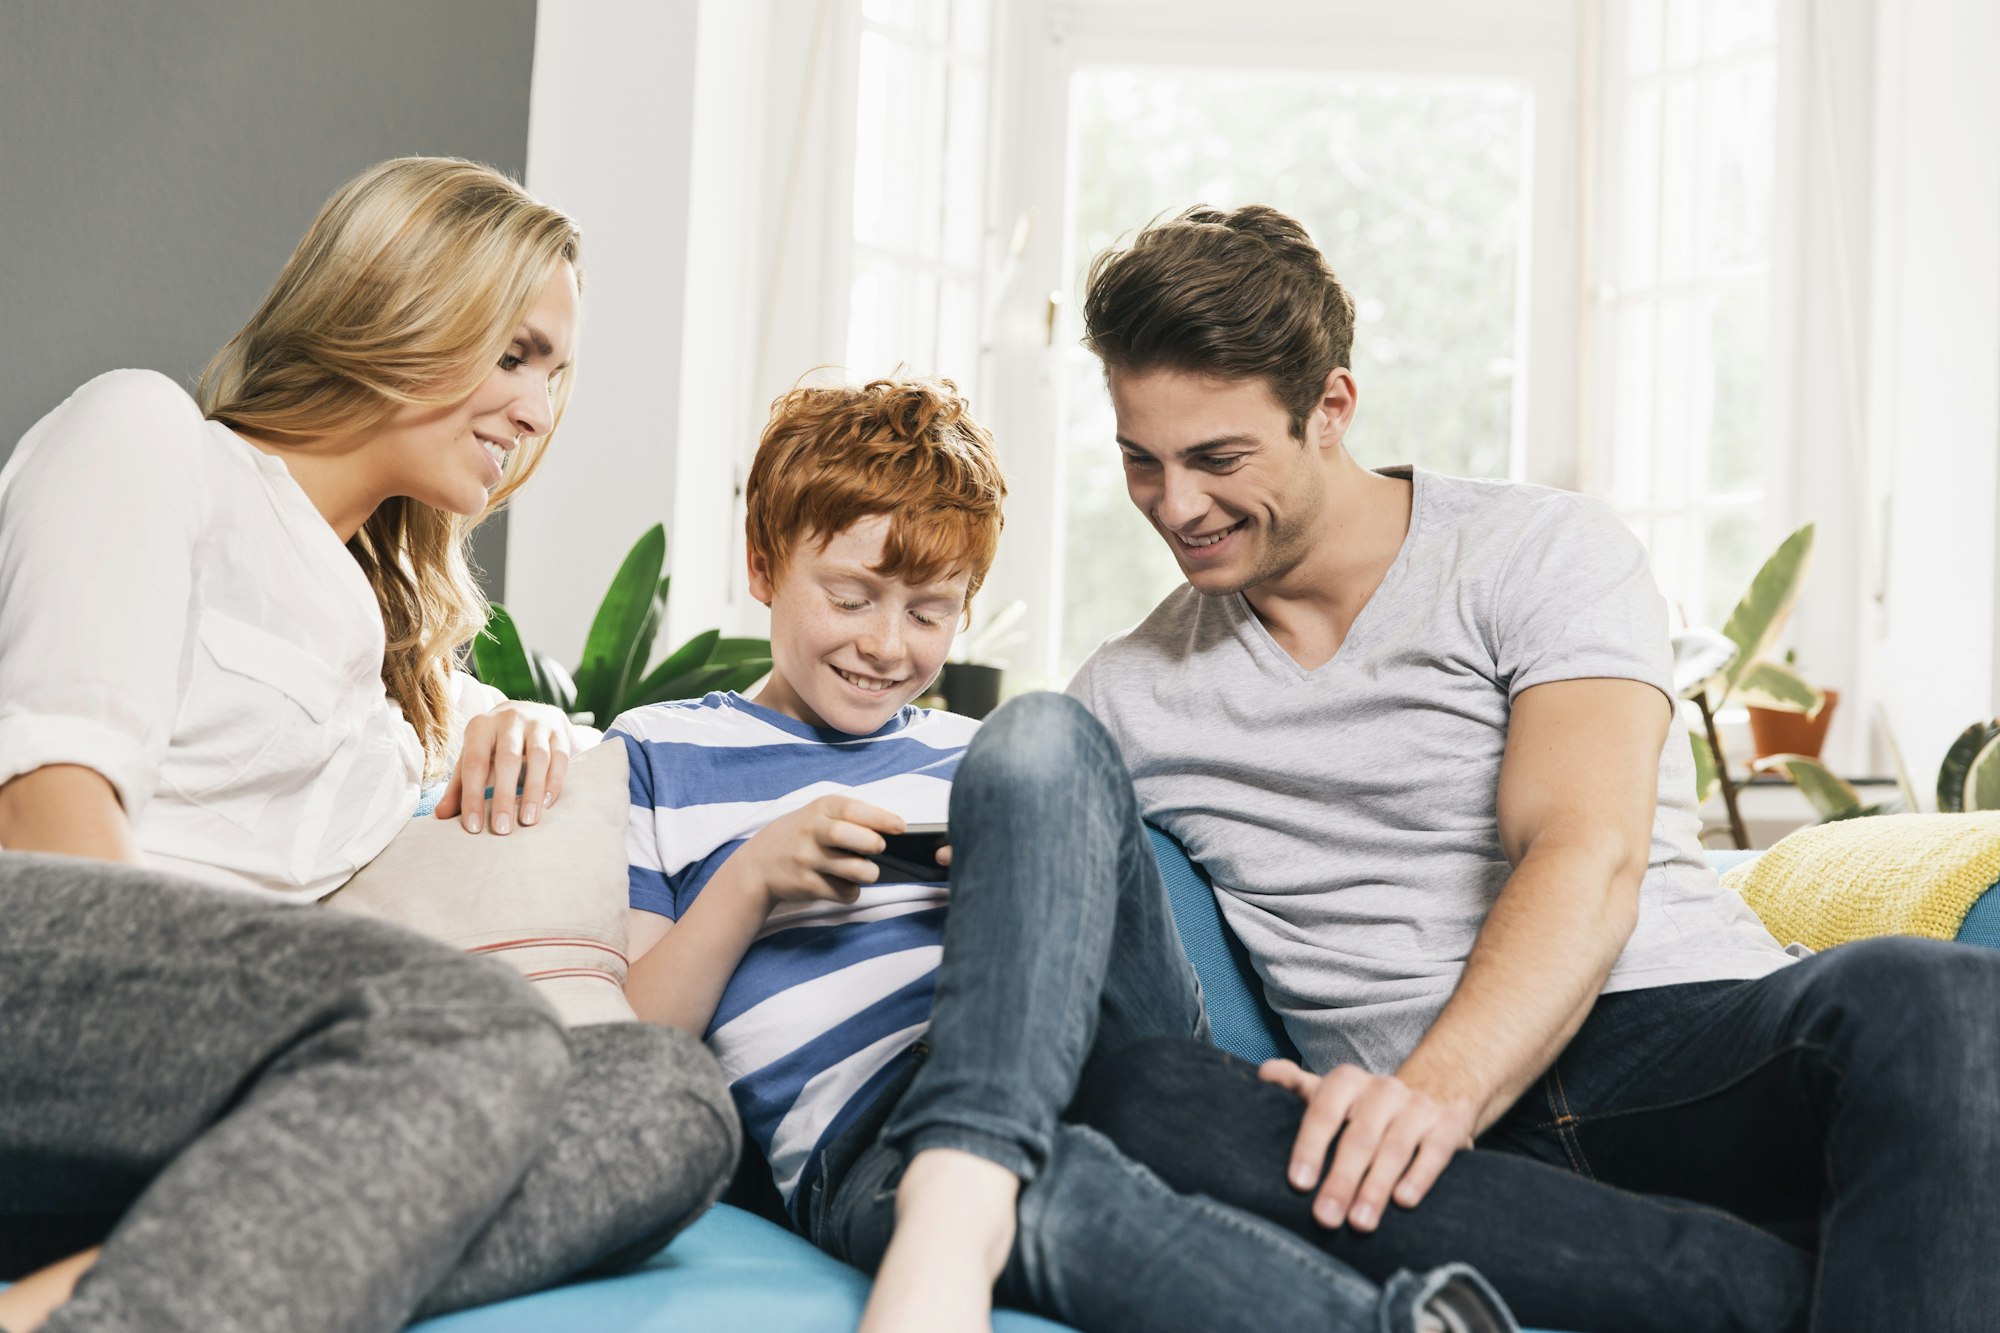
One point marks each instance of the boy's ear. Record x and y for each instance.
(760, 576)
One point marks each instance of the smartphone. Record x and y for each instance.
(911, 856)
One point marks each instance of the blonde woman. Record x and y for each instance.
(228, 637)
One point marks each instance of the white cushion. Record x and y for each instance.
(549, 898)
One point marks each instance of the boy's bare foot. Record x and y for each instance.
(954, 1230)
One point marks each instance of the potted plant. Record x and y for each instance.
(613, 675)
(970, 682)
(1711, 668)
(1790, 730)
(1968, 780)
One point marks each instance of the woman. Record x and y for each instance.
(227, 639)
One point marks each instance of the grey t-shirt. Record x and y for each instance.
(1347, 814)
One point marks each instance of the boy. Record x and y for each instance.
(903, 1068)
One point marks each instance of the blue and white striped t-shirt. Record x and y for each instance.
(823, 1009)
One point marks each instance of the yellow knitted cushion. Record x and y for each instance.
(1888, 875)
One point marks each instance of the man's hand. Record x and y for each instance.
(818, 851)
(515, 745)
(1393, 1140)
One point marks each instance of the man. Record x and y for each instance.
(1420, 731)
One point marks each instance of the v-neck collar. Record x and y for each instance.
(1258, 635)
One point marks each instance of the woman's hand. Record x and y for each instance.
(513, 745)
(819, 851)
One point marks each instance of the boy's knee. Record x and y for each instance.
(1036, 736)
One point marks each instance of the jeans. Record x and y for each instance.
(1565, 1252)
(1851, 1101)
(1060, 946)
(276, 1117)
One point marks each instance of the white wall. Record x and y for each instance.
(1820, 340)
(717, 415)
(705, 145)
(1935, 370)
(610, 139)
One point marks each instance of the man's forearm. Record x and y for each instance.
(1534, 972)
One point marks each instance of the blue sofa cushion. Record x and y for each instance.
(728, 1271)
(1239, 1021)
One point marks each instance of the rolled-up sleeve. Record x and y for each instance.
(100, 512)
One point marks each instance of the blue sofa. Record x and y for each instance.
(735, 1270)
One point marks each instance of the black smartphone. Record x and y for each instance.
(911, 856)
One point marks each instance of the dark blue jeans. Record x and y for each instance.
(1060, 945)
(1565, 1252)
(1850, 1101)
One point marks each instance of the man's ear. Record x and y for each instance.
(760, 576)
(1337, 400)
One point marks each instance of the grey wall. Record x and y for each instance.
(158, 161)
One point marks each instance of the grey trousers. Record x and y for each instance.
(278, 1118)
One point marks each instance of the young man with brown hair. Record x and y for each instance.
(1447, 811)
(902, 1065)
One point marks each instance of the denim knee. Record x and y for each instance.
(1919, 1005)
(1040, 733)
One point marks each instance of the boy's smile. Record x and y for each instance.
(850, 646)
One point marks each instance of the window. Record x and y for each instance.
(1415, 188)
(920, 169)
(1685, 413)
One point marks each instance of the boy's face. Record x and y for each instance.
(849, 646)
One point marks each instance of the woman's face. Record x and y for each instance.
(449, 457)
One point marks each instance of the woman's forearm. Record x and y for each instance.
(69, 810)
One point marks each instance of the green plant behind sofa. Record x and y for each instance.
(613, 675)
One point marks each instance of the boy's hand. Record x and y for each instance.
(819, 851)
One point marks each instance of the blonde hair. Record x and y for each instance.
(404, 292)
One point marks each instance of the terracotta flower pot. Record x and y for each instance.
(1773, 731)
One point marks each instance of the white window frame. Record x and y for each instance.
(1697, 506)
(947, 62)
(1530, 42)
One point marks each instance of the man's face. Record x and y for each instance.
(1214, 467)
(851, 646)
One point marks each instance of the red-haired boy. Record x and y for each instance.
(904, 1068)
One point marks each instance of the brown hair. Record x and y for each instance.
(1237, 295)
(405, 291)
(906, 448)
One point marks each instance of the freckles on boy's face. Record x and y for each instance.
(851, 646)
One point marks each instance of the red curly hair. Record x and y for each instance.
(907, 448)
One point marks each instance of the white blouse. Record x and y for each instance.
(175, 614)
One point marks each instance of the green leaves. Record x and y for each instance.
(1706, 775)
(1969, 777)
(1830, 796)
(621, 637)
(1775, 685)
(613, 676)
(499, 659)
(1753, 626)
